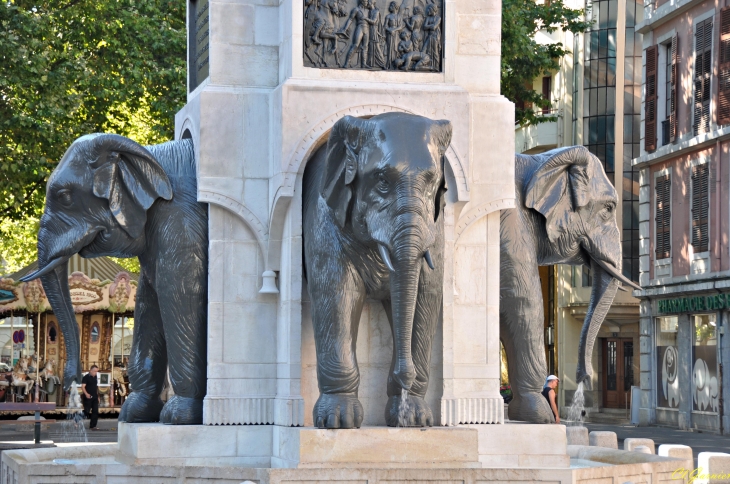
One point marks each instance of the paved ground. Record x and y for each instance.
(700, 442)
(59, 432)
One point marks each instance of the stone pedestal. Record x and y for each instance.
(274, 446)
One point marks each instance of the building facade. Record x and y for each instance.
(596, 97)
(685, 265)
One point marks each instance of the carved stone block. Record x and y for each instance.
(405, 35)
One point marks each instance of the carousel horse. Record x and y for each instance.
(20, 374)
(49, 375)
(119, 387)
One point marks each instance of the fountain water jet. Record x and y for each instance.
(73, 427)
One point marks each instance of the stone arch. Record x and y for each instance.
(308, 146)
(250, 219)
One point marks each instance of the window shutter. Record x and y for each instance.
(703, 72)
(674, 90)
(700, 207)
(663, 217)
(651, 99)
(723, 91)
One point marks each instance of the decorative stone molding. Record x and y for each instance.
(455, 411)
(289, 412)
(251, 220)
(238, 411)
(480, 211)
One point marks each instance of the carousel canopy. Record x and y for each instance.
(95, 284)
(102, 268)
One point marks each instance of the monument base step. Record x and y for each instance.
(470, 446)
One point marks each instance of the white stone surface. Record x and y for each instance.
(714, 467)
(632, 443)
(600, 438)
(577, 435)
(522, 445)
(675, 450)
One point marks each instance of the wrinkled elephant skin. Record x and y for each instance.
(373, 228)
(565, 214)
(111, 196)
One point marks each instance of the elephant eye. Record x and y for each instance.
(383, 184)
(64, 196)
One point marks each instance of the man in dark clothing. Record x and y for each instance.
(91, 396)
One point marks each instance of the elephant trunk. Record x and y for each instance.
(55, 284)
(407, 261)
(604, 290)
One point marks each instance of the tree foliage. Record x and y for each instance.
(73, 67)
(524, 59)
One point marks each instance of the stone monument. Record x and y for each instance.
(257, 112)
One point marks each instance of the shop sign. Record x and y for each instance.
(694, 304)
(80, 295)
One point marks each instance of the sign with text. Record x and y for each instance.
(694, 304)
(82, 295)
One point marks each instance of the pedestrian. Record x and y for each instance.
(91, 396)
(548, 391)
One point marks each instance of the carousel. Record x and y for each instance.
(32, 351)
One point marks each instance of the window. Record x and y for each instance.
(723, 102)
(52, 333)
(669, 125)
(667, 362)
(663, 216)
(702, 76)
(700, 207)
(705, 388)
(95, 333)
(652, 54)
(599, 82)
(546, 92)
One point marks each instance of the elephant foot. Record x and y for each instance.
(530, 407)
(182, 411)
(338, 411)
(415, 412)
(140, 408)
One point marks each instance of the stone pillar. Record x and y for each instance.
(684, 371)
(647, 364)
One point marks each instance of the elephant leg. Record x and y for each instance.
(336, 310)
(147, 361)
(521, 328)
(184, 318)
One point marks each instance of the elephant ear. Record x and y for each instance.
(559, 186)
(129, 177)
(441, 135)
(343, 151)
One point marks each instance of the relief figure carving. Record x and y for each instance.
(354, 34)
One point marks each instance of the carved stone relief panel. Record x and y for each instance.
(397, 35)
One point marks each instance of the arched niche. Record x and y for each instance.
(455, 173)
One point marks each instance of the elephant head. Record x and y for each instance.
(570, 189)
(96, 204)
(384, 181)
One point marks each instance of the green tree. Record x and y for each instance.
(73, 67)
(523, 59)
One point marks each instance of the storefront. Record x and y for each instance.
(687, 383)
(103, 295)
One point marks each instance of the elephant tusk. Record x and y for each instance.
(429, 261)
(616, 274)
(45, 269)
(386, 256)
